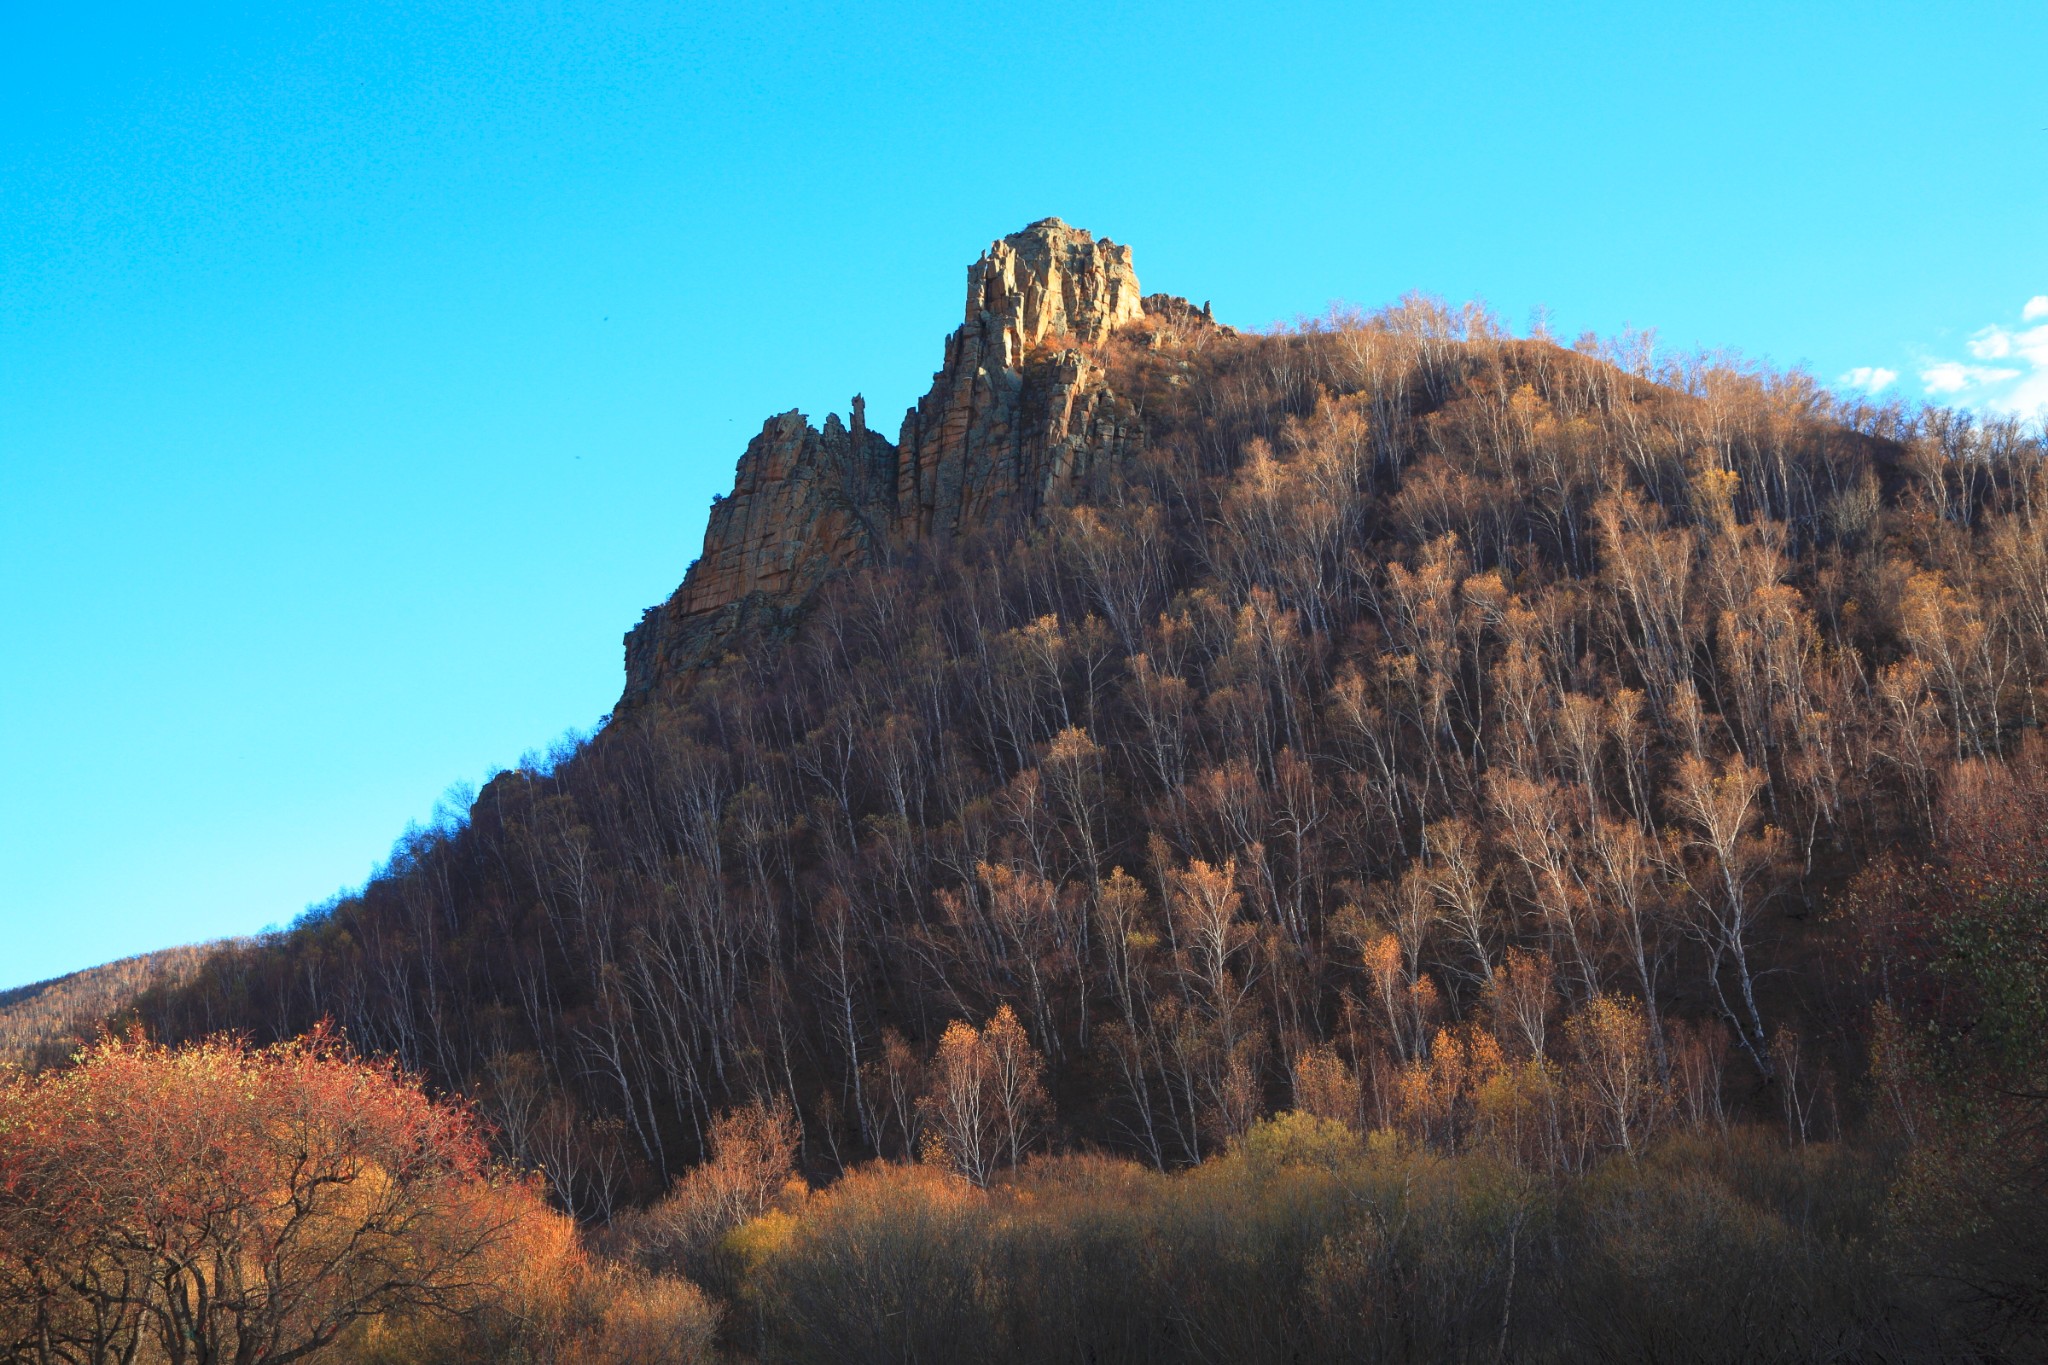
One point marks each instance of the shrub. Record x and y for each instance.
(883, 1267)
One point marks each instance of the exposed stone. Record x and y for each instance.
(1020, 407)
(802, 499)
(1051, 280)
(804, 503)
(1018, 414)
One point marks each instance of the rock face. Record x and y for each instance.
(1019, 412)
(1021, 405)
(804, 504)
(802, 498)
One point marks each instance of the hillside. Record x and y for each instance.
(1265, 720)
(43, 1022)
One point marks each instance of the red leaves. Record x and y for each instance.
(258, 1201)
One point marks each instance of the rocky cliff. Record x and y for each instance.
(1021, 409)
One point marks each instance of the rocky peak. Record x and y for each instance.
(1021, 406)
(1018, 413)
(1053, 281)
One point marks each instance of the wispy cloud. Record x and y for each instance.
(2006, 371)
(1870, 378)
(1953, 376)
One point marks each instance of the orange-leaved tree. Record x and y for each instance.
(987, 1101)
(223, 1203)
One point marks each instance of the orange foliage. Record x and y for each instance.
(259, 1203)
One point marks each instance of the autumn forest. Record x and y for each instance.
(1451, 847)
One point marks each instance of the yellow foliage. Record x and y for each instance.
(759, 1238)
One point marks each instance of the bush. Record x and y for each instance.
(1737, 1249)
(883, 1267)
(1306, 1243)
(247, 1205)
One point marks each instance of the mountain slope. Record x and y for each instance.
(1236, 709)
(44, 1022)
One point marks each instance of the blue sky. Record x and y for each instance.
(366, 368)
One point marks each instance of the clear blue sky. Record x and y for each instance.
(366, 368)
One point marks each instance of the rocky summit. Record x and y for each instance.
(1020, 410)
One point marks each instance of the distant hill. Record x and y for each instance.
(43, 1021)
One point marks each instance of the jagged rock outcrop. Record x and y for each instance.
(1020, 410)
(1021, 405)
(804, 503)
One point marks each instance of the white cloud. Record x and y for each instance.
(2017, 385)
(1953, 376)
(1870, 378)
(1993, 343)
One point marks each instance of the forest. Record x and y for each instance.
(1462, 848)
(43, 1023)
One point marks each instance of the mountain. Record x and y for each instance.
(1368, 718)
